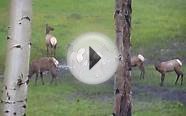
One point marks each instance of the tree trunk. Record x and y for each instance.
(123, 93)
(17, 60)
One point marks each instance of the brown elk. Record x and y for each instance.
(41, 65)
(138, 61)
(170, 66)
(51, 41)
(117, 101)
(119, 97)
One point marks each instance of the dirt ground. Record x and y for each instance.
(163, 93)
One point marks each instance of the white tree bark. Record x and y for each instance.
(17, 60)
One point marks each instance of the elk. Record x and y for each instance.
(51, 41)
(38, 66)
(117, 103)
(170, 66)
(117, 100)
(138, 61)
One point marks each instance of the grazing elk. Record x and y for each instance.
(119, 97)
(51, 41)
(117, 101)
(170, 66)
(138, 61)
(41, 65)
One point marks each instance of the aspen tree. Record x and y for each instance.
(17, 60)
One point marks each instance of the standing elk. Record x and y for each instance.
(41, 65)
(117, 101)
(170, 66)
(138, 61)
(51, 41)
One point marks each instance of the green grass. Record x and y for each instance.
(68, 99)
(156, 25)
(72, 98)
(146, 104)
(159, 108)
(158, 31)
(3, 30)
(156, 20)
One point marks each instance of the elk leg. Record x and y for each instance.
(54, 51)
(141, 74)
(53, 72)
(36, 78)
(180, 73)
(52, 77)
(41, 75)
(177, 79)
(178, 76)
(117, 103)
(52, 80)
(162, 79)
(55, 80)
(47, 50)
(142, 69)
(182, 79)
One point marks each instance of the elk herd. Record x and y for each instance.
(50, 64)
(162, 67)
(47, 63)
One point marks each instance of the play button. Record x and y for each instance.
(92, 58)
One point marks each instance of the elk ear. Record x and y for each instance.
(117, 91)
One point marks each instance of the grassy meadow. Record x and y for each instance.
(158, 32)
(72, 98)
